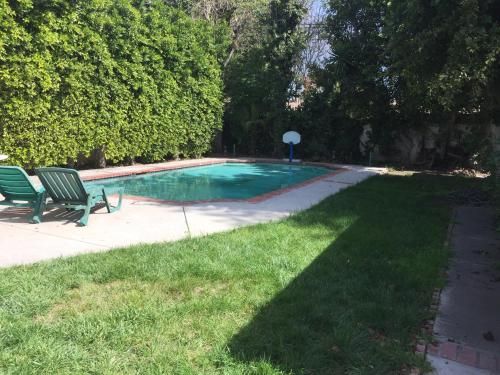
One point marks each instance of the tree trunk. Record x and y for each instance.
(496, 154)
(447, 135)
(229, 57)
(98, 157)
(218, 142)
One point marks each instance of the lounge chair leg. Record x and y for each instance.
(109, 207)
(85, 218)
(39, 208)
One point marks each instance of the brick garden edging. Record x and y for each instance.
(465, 355)
(454, 351)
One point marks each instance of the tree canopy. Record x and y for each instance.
(400, 66)
(159, 79)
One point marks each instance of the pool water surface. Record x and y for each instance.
(215, 182)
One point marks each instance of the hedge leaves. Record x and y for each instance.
(130, 78)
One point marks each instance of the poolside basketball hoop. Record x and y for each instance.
(291, 138)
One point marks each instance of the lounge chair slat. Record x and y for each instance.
(18, 191)
(11, 178)
(74, 183)
(77, 192)
(16, 185)
(62, 184)
(52, 189)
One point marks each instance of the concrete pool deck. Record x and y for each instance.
(142, 221)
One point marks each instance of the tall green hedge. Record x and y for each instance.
(132, 78)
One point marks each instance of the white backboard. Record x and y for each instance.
(292, 137)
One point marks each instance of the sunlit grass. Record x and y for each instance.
(341, 288)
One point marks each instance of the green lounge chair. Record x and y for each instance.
(19, 191)
(66, 189)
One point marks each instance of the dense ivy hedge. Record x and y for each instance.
(133, 79)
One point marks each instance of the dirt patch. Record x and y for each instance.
(210, 289)
(95, 297)
(92, 298)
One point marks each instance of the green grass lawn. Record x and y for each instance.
(340, 288)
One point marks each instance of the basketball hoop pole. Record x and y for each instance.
(291, 138)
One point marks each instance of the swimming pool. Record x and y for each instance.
(215, 182)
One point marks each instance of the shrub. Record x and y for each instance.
(129, 78)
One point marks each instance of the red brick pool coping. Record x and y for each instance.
(174, 165)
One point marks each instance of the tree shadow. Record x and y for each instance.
(299, 332)
(357, 306)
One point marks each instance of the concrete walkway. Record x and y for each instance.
(147, 222)
(467, 327)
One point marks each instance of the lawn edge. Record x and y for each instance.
(425, 340)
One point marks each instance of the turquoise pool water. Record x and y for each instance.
(220, 181)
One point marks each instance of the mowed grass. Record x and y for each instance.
(339, 289)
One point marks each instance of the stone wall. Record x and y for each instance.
(417, 146)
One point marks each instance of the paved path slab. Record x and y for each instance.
(467, 327)
(445, 367)
(147, 222)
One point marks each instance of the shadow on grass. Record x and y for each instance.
(357, 306)
(315, 325)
